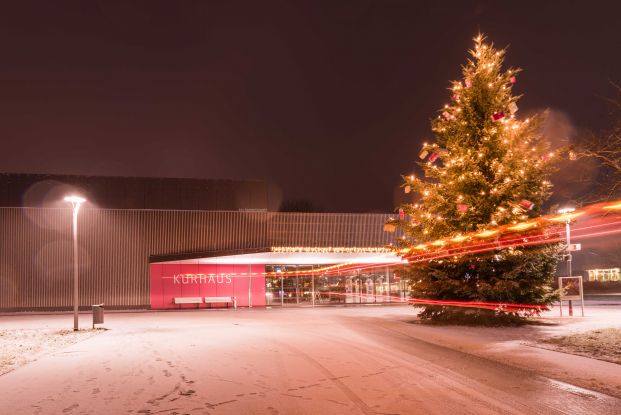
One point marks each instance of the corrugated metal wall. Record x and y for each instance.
(114, 247)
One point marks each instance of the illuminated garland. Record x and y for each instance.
(331, 250)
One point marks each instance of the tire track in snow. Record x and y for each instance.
(336, 380)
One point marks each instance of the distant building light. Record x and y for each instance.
(609, 274)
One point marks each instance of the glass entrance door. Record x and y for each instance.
(290, 290)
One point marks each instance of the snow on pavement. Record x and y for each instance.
(359, 360)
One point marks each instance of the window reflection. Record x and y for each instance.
(297, 288)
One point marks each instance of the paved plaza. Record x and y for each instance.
(339, 360)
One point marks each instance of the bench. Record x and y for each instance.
(188, 300)
(233, 300)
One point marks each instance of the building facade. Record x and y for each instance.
(146, 258)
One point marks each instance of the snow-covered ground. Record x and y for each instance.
(21, 346)
(368, 360)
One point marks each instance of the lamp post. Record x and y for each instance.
(75, 201)
(568, 241)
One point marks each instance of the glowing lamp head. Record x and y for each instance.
(74, 199)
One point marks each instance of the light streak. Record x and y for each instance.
(307, 271)
(616, 206)
(523, 226)
(390, 298)
(540, 222)
(487, 233)
(517, 244)
(362, 267)
(500, 306)
(565, 217)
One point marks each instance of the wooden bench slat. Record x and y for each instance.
(208, 300)
(222, 300)
(188, 300)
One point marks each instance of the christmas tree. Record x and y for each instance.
(486, 168)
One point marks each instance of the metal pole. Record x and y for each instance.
(561, 302)
(359, 288)
(249, 286)
(297, 288)
(313, 284)
(568, 237)
(567, 232)
(388, 282)
(581, 297)
(374, 288)
(76, 207)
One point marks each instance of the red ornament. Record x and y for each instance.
(461, 207)
(448, 115)
(434, 157)
(423, 154)
(527, 204)
(468, 83)
(401, 214)
(513, 79)
(407, 189)
(498, 115)
(456, 97)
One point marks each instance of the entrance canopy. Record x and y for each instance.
(301, 256)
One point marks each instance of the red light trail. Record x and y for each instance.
(501, 306)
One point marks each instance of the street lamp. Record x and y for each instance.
(565, 211)
(75, 201)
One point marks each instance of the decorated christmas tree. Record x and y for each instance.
(485, 168)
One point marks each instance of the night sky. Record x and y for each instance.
(328, 101)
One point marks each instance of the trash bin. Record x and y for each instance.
(98, 314)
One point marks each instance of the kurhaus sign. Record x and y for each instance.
(201, 279)
(169, 281)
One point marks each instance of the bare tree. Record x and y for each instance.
(605, 148)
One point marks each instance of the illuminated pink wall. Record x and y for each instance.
(205, 280)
